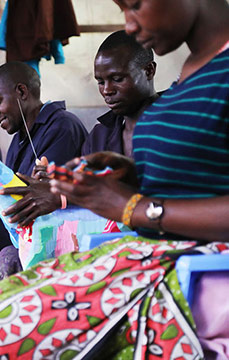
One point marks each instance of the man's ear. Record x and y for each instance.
(150, 70)
(22, 91)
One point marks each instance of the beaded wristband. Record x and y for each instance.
(63, 200)
(129, 208)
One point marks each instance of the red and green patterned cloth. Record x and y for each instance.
(121, 300)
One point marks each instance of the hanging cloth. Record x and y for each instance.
(3, 27)
(32, 26)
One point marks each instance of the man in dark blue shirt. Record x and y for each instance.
(125, 73)
(55, 132)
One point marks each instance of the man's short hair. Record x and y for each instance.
(19, 72)
(141, 56)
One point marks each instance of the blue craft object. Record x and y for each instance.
(190, 267)
(89, 241)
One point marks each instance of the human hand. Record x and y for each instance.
(123, 167)
(37, 200)
(104, 196)
(40, 169)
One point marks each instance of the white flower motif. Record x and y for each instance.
(71, 305)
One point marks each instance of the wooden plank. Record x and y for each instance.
(101, 28)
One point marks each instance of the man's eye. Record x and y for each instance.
(136, 5)
(100, 82)
(117, 78)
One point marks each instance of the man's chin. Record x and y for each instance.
(118, 110)
(11, 131)
(6, 127)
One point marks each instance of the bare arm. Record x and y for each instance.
(204, 219)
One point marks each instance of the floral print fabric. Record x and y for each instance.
(121, 300)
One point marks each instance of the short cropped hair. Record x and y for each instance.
(141, 56)
(19, 72)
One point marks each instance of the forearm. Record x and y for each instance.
(204, 219)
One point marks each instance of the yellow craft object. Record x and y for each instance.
(15, 182)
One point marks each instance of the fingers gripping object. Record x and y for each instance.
(43, 161)
(64, 174)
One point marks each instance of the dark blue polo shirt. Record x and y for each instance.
(56, 134)
(106, 136)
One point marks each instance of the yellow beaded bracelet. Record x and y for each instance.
(129, 209)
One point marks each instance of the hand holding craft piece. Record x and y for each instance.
(40, 169)
(65, 174)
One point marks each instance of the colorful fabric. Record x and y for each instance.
(53, 234)
(68, 307)
(177, 145)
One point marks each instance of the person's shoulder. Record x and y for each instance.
(70, 117)
(64, 118)
(61, 111)
(161, 92)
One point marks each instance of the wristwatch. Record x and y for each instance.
(154, 212)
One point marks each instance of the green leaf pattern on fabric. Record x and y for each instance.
(96, 287)
(26, 346)
(46, 327)
(170, 333)
(6, 312)
(48, 290)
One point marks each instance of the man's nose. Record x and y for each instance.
(108, 88)
(131, 26)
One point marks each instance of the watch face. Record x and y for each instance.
(154, 211)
